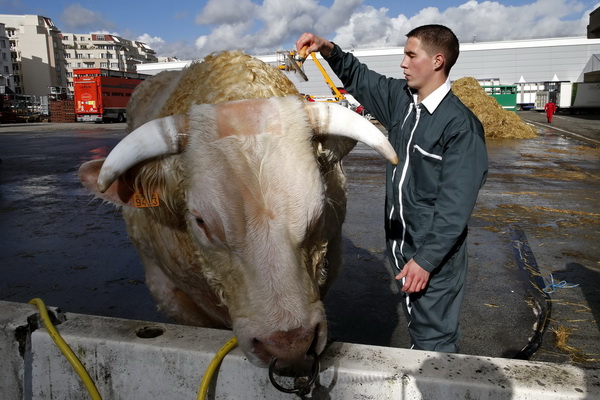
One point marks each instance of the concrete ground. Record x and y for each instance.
(57, 243)
(562, 222)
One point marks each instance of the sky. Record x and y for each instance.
(191, 29)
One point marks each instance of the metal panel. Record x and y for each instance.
(170, 364)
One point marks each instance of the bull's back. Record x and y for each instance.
(227, 76)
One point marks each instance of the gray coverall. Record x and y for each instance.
(430, 194)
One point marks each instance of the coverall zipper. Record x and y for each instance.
(402, 179)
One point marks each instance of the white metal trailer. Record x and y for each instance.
(570, 96)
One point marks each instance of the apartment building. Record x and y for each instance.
(36, 54)
(97, 50)
(40, 58)
(6, 71)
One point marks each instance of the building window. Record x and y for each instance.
(103, 65)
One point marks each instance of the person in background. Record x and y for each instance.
(431, 193)
(550, 108)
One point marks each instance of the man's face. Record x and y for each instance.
(418, 66)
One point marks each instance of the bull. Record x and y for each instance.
(234, 197)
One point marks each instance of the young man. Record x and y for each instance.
(431, 193)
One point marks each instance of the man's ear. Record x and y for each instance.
(439, 61)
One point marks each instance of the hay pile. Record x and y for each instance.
(498, 123)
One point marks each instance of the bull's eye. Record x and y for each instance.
(202, 225)
(196, 216)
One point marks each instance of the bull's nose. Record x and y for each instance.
(287, 346)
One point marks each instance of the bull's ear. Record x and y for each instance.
(332, 149)
(120, 192)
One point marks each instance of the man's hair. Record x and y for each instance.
(438, 39)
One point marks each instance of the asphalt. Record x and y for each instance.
(552, 190)
(537, 215)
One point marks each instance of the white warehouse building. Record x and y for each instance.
(510, 62)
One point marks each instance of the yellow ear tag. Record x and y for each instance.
(140, 201)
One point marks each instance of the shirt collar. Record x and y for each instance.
(432, 101)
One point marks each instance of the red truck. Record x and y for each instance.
(101, 95)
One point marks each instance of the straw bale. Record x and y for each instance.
(498, 123)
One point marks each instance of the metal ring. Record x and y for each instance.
(315, 370)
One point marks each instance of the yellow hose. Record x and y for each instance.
(66, 350)
(214, 364)
(87, 380)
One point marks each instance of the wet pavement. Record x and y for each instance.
(60, 244)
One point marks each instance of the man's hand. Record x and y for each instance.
(416, 277)
(313, 43)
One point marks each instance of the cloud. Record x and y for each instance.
(272, 25)
(225, 37)
(78, 18)
(338, 15)
(153, 42)
(372, 28)
(484, 21)
(217, 12)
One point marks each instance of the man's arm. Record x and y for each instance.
(464, 170)
(376, 92)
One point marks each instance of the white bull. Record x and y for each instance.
(242, 201)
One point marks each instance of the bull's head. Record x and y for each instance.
(256, 204)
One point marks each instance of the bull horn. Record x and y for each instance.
(155, 138)
(334, 119)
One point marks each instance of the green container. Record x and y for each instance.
(505, 95)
